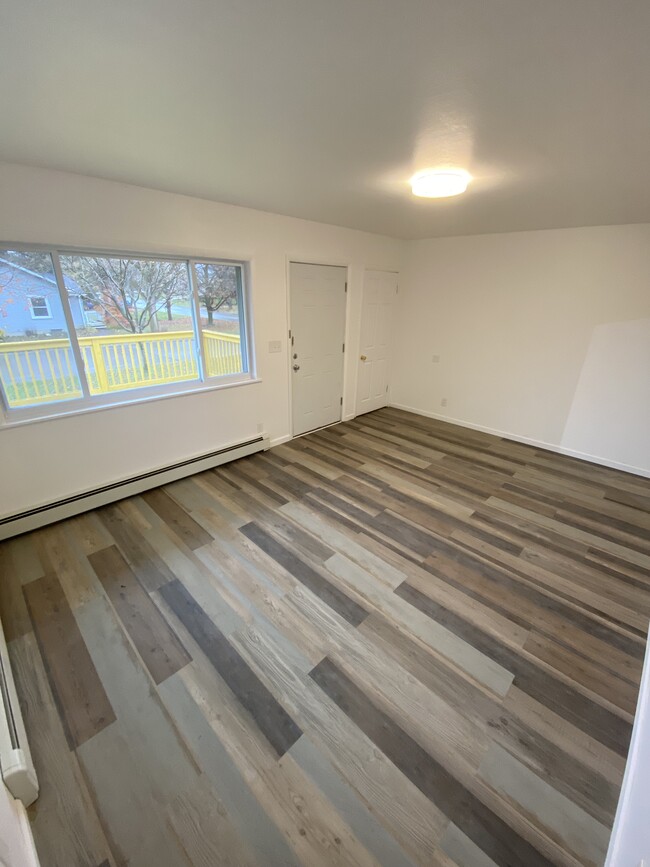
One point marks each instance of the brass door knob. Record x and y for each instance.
(364, 358)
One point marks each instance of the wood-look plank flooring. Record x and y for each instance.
(391, 642)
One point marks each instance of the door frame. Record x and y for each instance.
(390, 355)
(316, 260)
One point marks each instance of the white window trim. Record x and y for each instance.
(129, 397)
(63, 408)
(33, 298)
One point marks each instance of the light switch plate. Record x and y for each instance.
(275, 346)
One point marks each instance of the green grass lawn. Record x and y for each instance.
(42, 390)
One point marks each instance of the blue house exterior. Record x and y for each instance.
(30, 304)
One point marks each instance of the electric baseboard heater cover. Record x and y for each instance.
(16, 764)
(31, 519)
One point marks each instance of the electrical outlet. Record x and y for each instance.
(443, 402)
(260, 427)
(435, 358)
(275, 346)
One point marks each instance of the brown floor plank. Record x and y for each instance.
(276, 724)
(175, 517)
(596, 720)
(13, 609)
(160, 649)
(78, 690)
(149, 568)
(64, 814)
(477, 821)
(306, 574)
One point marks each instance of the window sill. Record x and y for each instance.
(9, 422)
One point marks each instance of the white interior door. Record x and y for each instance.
(377, 311)
(317, 337)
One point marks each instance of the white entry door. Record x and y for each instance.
(377, 312)
(316, 345)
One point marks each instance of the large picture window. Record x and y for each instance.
(83, 329)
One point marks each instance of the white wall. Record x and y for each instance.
(629, 845)
(542, 336)
(17, 847)
(48, 460)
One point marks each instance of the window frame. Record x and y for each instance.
(46, 305)
(87, 402)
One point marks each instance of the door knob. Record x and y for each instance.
(296, 367)
(364, 358)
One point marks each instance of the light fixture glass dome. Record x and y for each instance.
(434, 184)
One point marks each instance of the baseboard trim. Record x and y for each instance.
(285, 439)
(529, 441)
(278, 441)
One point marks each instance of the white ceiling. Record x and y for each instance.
(325, 108)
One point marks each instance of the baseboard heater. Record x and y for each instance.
(16, 764)
(22, 522)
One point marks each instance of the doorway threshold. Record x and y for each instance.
(316, 429)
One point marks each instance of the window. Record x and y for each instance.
(110, 328)
(37, 365)
(40, 308)
(219, 289)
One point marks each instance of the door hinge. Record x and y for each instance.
(344, 347)
(289, 332)
(341, 401)
(346, 285)
(386, 389)
(292, 340)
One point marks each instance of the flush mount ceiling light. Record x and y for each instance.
(439, 184)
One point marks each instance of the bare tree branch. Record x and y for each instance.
(217, 287)
(129, 291)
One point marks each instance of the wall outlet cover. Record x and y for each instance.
(435, 358)
(275, 346)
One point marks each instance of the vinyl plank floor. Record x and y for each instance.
(394, 642)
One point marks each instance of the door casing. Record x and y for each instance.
(390, 289)
(316, 260)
